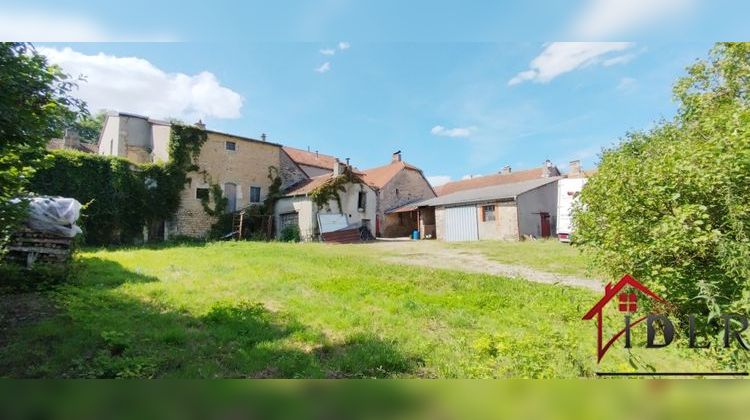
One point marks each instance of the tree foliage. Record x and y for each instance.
(672, 205)
(35, 106)
(89, 127)
(120, 196)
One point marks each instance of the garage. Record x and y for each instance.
(461, 224)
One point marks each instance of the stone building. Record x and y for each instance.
(507, 205)
(239, 165)
(397, 184)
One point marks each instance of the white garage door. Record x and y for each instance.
(461, 224)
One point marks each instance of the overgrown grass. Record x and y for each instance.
(546, 255)
(302, 310)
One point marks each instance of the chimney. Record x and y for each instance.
(316, 154)
(575, 168)
(347, 162)
(547, 169)
(71, 140)
(396, 157)
(336, 168)
(505, 170)
(200, 125)
(263, 136)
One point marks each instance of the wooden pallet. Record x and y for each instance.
(27, 247)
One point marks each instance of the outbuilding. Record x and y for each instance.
(508, 212)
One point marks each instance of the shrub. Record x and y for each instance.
(672, 205)
(290, 234)
(121, 197)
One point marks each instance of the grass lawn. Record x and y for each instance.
(545, 255)
(302, 310)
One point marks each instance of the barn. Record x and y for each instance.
(508, 212)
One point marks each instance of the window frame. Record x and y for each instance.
(250, 194)
(491, 209)
(199, 189)
(234, 146)
(362, 201)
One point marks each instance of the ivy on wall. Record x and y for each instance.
(331, 189)
(120, 197)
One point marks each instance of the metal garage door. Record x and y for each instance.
(461, 224)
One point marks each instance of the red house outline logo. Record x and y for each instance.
(627, 303)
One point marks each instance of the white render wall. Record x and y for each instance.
(307, 211)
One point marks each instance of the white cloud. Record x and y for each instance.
(601, 19)
(46, 26)
(438, 180)
(563, 57)
(135, 85)
(343, 45)
(620, 59)
(328, 51)
(323, 67)
(439, 130)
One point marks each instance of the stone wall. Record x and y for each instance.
(246, 166)
(289, 171)
(406, 187)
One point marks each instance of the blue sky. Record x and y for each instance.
(459, 89)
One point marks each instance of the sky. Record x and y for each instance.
(461, 88)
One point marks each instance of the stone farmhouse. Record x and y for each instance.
(397, 184)
(391, 200)
(239, 165)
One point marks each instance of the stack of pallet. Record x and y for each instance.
(28, 247)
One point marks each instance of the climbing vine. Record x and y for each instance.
(220, 202)
(331, 189)
(122, 197)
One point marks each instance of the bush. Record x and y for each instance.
(120, 197)
(290, 234)
(15, 278)
(672, 206)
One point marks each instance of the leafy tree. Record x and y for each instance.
(672, 205)
(89, 127)
(35, 105)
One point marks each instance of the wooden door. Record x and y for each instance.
(545, 224)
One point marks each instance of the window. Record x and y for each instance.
(230, 192)
(201, 193)
(628, 302)
(362, 201)
(255, 194)
(288, 219)
(230, 145)
(488, 213)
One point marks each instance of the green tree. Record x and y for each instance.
(35, 105)
(672, 205)
(89, 127)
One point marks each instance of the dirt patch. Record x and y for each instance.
(21, 309)
(433, 255)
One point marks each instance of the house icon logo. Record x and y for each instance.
(625, 296)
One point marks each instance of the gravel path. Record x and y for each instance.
(428, 255)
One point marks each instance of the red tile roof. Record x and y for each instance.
(378, 177)
(303, 157)
(494, 179)
(307, 185)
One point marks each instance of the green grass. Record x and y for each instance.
(301, 310)
(545, 255)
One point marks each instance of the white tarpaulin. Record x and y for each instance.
(331, 222)
(55, 215)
